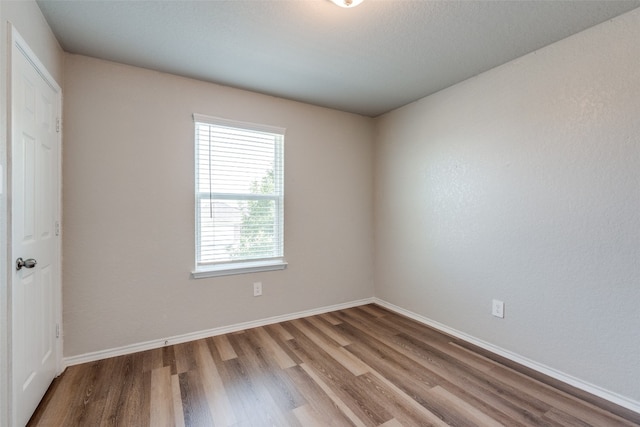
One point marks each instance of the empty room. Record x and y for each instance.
(320, 213)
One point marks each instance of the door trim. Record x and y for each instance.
(18, 45)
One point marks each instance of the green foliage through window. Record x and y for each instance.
(258, 229)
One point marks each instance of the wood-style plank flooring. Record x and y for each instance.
(363, 366)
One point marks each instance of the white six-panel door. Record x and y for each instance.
(35, 104)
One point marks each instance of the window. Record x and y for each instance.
(239, 197)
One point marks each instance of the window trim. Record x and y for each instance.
(242, 267)
(203, 270)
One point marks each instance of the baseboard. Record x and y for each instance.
(607, 395)
(192, 336)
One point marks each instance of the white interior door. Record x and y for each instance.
(35, 105)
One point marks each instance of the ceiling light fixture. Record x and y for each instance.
(347, 3)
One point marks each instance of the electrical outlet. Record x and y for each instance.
(257, 289)
(497, 308)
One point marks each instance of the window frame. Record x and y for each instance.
(247, 265)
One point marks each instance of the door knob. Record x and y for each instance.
(29, 263)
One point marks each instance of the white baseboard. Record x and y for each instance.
(620, 400)
(192, 336)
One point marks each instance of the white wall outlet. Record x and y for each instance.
(257, 289)
(497, 308)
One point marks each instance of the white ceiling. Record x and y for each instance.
(368, 60)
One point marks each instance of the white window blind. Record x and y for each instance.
(239, 194)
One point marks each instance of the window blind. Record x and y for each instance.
(239, 192)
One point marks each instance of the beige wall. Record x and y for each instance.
(129, 208)
(28, 20)
(523, 184)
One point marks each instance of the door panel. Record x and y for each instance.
(34, 208)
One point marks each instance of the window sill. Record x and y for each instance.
(239, 268)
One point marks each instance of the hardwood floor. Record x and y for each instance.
(363, 366)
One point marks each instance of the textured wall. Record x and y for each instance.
(129, 208)
(523, 184)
